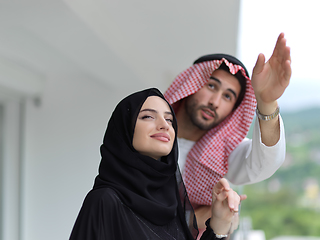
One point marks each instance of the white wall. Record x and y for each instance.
(62, 141)
(54, 135)
(10, 167)
(52, 153)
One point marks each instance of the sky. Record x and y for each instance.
(260, 24)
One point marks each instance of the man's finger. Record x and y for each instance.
(259, 64)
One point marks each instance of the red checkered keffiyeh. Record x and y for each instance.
(207, 161)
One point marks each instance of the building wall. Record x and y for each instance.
(51, 145)
(61, 152)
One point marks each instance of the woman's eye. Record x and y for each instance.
(146, 117)
(170, 120)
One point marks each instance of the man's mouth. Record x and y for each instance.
(207, 113)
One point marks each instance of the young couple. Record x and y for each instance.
(139, 193)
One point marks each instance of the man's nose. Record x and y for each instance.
(215, 100)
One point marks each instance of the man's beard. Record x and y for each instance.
(191, 108)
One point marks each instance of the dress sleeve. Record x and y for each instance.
(103, 216)
(209, 234)
(252, 161)
(98, 218)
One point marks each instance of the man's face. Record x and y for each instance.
(214, 101)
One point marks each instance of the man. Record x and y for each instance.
(214, 101)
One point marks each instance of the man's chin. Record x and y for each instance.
(203, 123)
(205, 126)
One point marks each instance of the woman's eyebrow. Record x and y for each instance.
(148, 110)
(155, 111)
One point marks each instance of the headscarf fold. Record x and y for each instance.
(207, 161)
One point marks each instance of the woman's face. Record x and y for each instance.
(153, 133)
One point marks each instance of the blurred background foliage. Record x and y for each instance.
(288, 203)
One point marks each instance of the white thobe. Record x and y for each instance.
(251, 161)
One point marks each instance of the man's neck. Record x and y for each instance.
(186, 129)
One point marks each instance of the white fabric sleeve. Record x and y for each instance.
(252, 161)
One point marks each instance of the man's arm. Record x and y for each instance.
(252, 161)
(269, 81)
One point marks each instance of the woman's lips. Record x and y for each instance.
(161, 136)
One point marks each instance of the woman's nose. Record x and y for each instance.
(163, 124)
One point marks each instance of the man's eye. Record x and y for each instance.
(228, 96)
(211, 86)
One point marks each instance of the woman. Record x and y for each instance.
(136, 194)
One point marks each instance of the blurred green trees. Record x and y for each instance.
(288, 203)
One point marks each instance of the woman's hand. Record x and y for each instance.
(225, 203)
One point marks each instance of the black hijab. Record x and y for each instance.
(147, 186)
